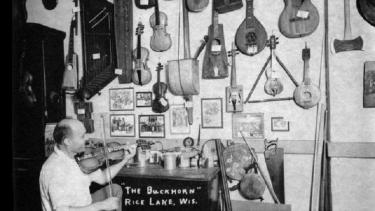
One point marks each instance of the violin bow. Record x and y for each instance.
(106, 156)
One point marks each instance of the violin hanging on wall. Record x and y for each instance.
(142, 74)
(234, 93)
(160, 40)
(251, 36)
(299, 18)
(160, 104)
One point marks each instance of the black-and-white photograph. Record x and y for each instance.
(179, 119)
(122, 125)
(143, 99)
(121, 99)
(151, 126)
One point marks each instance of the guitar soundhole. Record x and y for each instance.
(251, 38)
(307, 95)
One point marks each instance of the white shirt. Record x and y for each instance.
(62, 183)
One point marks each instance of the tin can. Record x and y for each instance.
(169, 161)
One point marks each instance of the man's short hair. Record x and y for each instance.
(61, 132)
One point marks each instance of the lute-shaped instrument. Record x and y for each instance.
(160, 40)
(215, 59)
(160, 104)
(306, 95)
(234, 93)
(251, 36)
(142, 73)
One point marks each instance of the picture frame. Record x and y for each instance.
(279, 124)
(151, 126)
(251, 125)
(143, 99)
(369, 85)
(212, 112)
(122, 125)
(121, 99)
(178, 119)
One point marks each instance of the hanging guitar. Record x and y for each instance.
(142, 74)
(273, 85)
(160, 103)
(366, 9)
(234, 93)
(306, 95)
(215, 62)
(299, 18)
(160, 40)
(196, 5)
(251, 35)
(70, 79)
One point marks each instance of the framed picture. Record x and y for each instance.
(179, 119)
(143, 99)
(251, 125)
(121, 99)
(151, 126)
(369, 85)
(212, 112)
(279, 124)
(122, 125)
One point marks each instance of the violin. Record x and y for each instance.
(142, 73)
(160, 103)
(94, 156)
(160, 40)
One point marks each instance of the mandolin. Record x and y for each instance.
(215, 62)
(251, 36)
(196, 5)
(366, 9)
(234, 93)
(160, 40)
(306, 95)
(141, 74)
(273, 85)
(299, 18)
(144, 4)
(160, 103)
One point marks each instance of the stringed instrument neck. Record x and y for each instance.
(233, 77)
(306, 66)
(249, 12)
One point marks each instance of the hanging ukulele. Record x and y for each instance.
(142, 73)
(160, 40)
(160, 103)
(215, 59)
(298, 19)
(306, 95)
(273, 85)
(234, 93)
(251, 36)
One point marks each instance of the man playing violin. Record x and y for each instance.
(64, 186)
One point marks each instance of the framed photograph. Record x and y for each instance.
(143, 99)
(122, 125)
(251, 125)
(121, 99)
(212, 112)
(151, 126)
(179, 119)
(369, 85)
(279, 124)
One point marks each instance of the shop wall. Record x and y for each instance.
(350, 122)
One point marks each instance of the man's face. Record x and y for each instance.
(78, 138)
